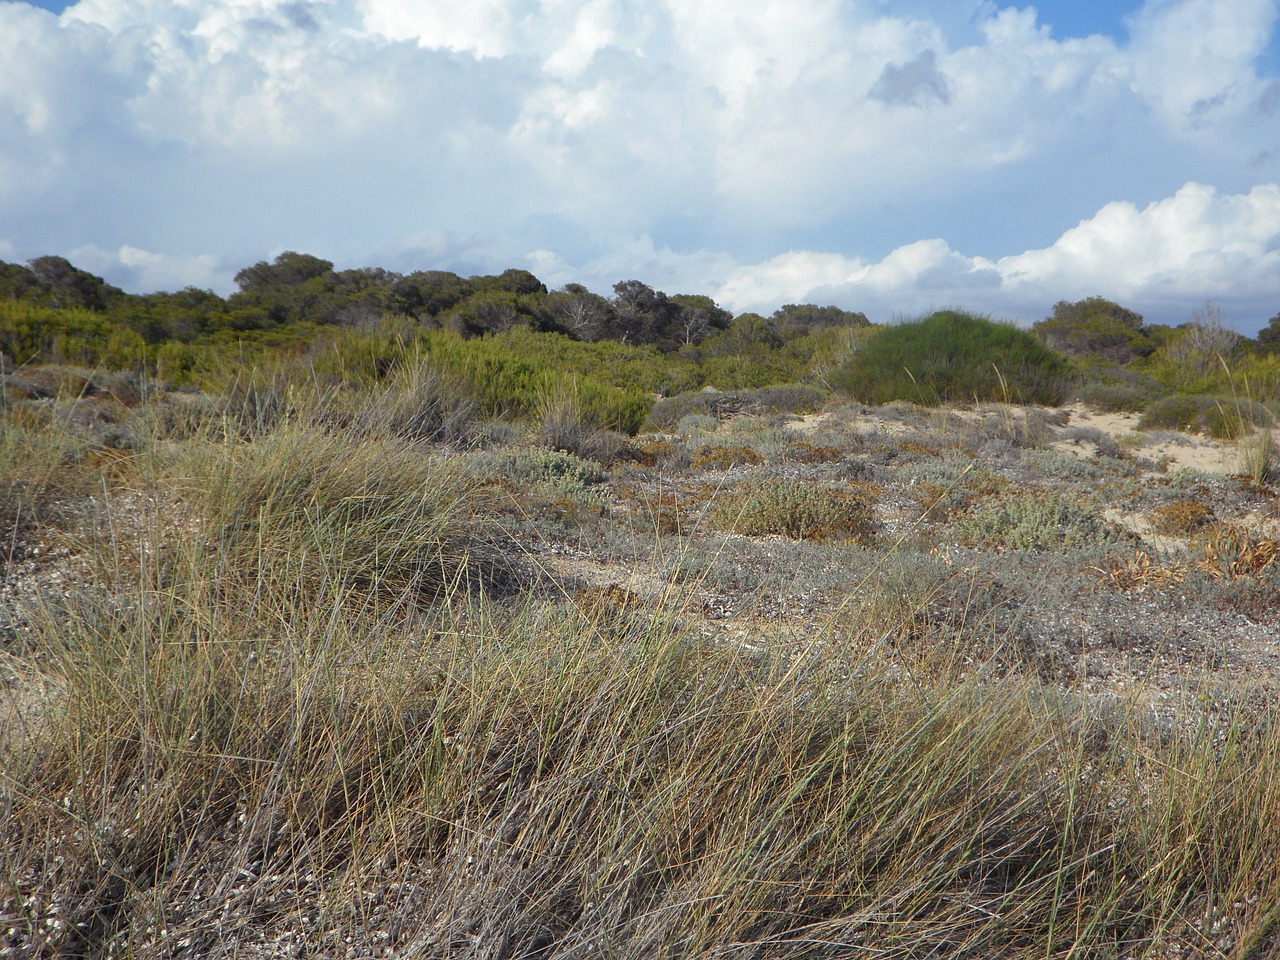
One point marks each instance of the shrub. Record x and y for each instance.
(715, 457)
(539, 465)
(788, 398)
(1181, 517)
(1096, 327)
(1119, 391)
(794, 509)
(950, 357)
(1032, 520)
(1223, 418)
(504, 383)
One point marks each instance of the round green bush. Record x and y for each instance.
(951, 356)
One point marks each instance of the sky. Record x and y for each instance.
(888, 156)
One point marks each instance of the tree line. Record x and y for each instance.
(299, 288)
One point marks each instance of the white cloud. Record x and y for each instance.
(1193, 245)
(141, 269)
(1197, 243)
(1193, 59)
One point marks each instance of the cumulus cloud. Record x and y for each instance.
(1177, 251)
(142, 270)
(920, 145)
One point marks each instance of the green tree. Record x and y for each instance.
(495, 311)
(802, 319)
(290, 269)
(1096, 327)
(428, 293)
(1269, 336)
(62, 285)
(699, 316)
(511, 281)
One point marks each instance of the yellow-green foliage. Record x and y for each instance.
(1244, 374)
(795, 509)
(641, 369)
(47, 335)
(1223, 417)
(503, 382)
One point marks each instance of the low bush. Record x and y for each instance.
(1033, 520)
(788, 398)
(540, 465)
(1119, 390)
(794, 509)
(1182, 517)
(717, 457)
(1221, 417)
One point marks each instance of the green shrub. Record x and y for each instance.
(504, 383)
(539, 465)
(1032, 520)
(795, 509)
(83, 337)
(1223, 418)
(950, 357)
(1119, 390)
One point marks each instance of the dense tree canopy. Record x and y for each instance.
(1096, 327)
(1269, 336)
(295, 295)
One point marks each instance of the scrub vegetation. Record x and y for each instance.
(375, 616)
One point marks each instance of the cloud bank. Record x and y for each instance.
(762, 151)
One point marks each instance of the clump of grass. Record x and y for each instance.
(422, 402)
(300, 507)
(1260, 458)
(560, 424)
(791, 508)
(535, 780)
(45, 467)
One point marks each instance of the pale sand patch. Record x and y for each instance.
(1175, 451)
(1178, 451)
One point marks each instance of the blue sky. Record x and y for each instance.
(890, 156)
